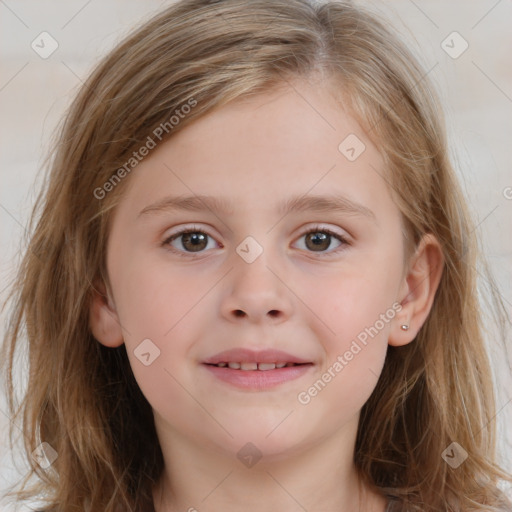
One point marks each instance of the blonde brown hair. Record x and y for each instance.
(82, 398)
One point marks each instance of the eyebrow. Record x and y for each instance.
(321, 204)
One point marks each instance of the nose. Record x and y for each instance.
(256, 292)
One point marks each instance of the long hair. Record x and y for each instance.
(81, 397)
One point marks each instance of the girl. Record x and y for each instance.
(252, 280)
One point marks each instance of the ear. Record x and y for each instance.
(417, 290)
(103, 319)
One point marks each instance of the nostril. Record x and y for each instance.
(273, 312)
(239, 313)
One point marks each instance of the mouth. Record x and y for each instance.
(251, 366)
(249, 370)
(247, 359)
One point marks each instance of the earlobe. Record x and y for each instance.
(103, 320)
(418, 290)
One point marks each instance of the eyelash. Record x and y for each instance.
(316, 229)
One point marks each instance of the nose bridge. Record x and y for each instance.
(257, 289)
(252, 261)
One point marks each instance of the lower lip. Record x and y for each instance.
(259, 379)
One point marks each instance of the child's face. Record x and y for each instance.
(311, 297)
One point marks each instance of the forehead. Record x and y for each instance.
(296, 123)
(292, 141)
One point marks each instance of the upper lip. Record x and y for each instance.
(243, 355)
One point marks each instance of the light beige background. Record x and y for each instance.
(476, 89)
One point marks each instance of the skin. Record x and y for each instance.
(257, 153)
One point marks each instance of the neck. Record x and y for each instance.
(199, 478)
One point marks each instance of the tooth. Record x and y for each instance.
(222, 364)
(234, 366)
(266, 366)
(249, 366)
(280, 365)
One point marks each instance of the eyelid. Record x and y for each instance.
(324, 227)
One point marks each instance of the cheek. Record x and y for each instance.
(155, 299)
(355, 299)
(158, 311)
(354, 312)
(359, 312)
(165, 316)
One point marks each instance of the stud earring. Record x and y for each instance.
(404, 327)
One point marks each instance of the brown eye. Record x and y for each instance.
(188, 241)
(194, 241)
(319, 240)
